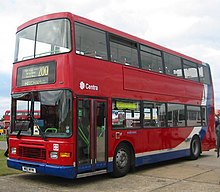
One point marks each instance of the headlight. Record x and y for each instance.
(54, 155)
(13, 150)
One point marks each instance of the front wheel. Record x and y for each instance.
(121, 161)
(195, 148)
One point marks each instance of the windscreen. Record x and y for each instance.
(42, 39)
(42, 113)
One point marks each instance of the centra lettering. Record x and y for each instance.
(92, 87)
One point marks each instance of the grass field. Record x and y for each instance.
(4, 170)
(2, 138)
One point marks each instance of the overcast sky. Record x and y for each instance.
(191, 27)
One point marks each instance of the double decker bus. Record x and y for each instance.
(7, 119)
(108, 101)
(20, 115)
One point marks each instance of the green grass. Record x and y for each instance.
(4, 170)
(2, 138)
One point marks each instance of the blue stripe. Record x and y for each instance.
(162, 157)
(90, 167)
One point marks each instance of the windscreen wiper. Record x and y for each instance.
(35, 124)
(18, 135)
(33, 121)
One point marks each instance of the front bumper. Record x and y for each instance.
(54, 170)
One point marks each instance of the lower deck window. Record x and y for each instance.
(154, 115)
(125, 114)
(176, 115)
(194, 116)
(148, 114)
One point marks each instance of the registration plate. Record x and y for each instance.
(28, 169)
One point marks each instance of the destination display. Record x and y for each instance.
(38, 74)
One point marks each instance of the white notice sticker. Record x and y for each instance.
(55, 147)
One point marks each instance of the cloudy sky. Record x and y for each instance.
(191, 27)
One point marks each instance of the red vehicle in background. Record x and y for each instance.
(1, 127)
(21, 114)
(107, 101)
(7, 119)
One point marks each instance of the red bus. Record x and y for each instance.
(7, 119)
(108, 101)
(20, 115)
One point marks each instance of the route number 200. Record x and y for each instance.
(43, 71)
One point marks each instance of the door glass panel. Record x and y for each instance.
(83, 141)
(91, 139)
(100, 131)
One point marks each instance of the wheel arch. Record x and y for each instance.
(200, 140)
(131, 150)
(132, 153)
(195, 142)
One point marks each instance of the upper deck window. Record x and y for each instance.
(190, 70)
(42, 39)
(173, 65)
(90, 41)
(123, 51)
(204, 74)
(151, 59)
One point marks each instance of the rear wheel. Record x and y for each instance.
(195, 148)
(121, 160)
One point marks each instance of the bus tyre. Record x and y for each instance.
(195, 148)
(121, 161)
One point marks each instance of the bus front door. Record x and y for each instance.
(91, 134)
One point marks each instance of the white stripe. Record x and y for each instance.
(205, 94)
(184, 145)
